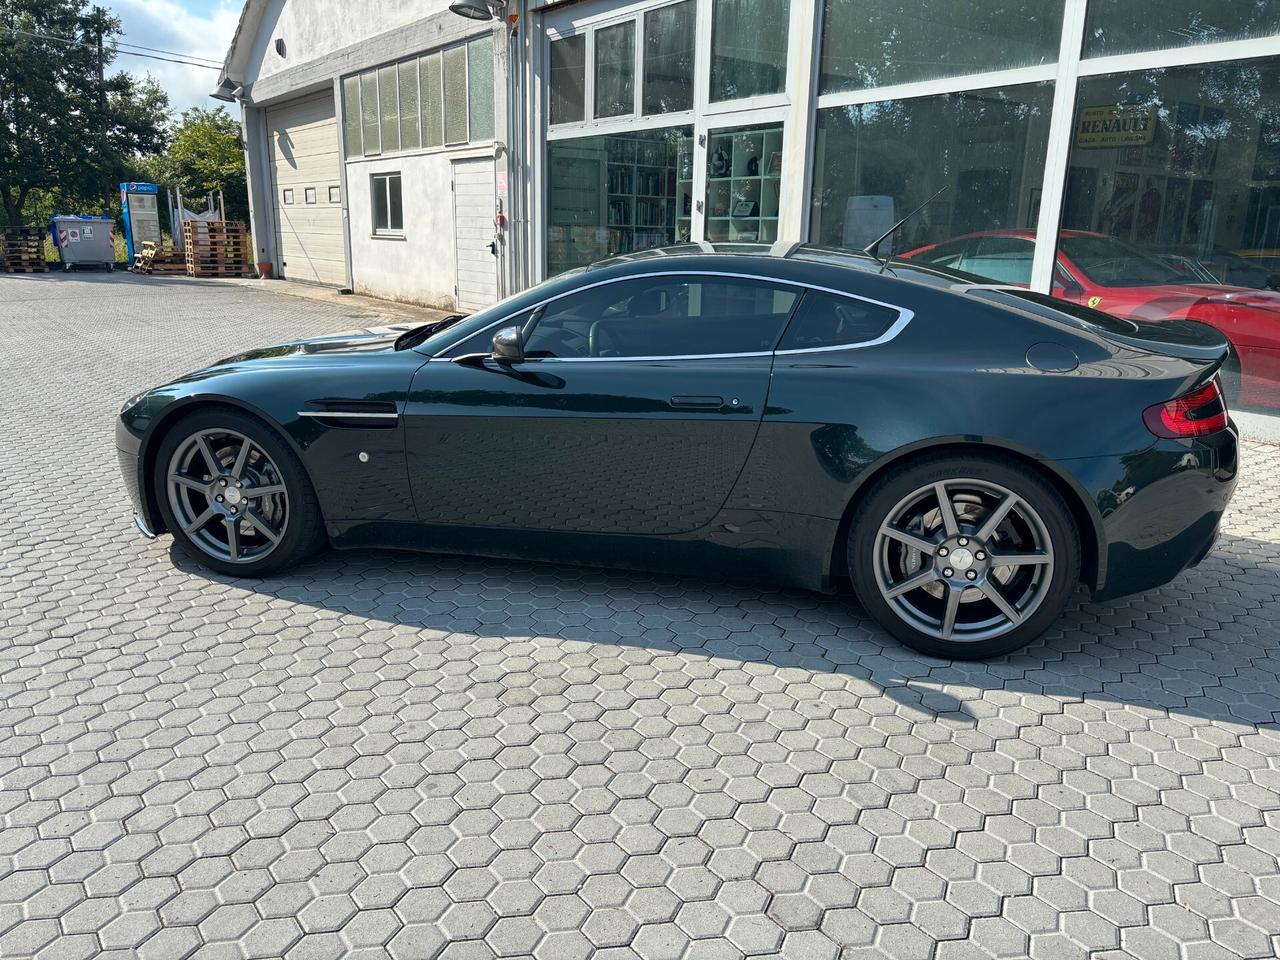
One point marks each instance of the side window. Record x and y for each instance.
(950, 254)
(826, 320)
(673, 316)
(1002, 259)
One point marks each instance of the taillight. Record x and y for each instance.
(1197, 414)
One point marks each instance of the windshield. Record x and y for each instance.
(503, 308)
(1110, 263)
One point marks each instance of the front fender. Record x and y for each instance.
(348, 486)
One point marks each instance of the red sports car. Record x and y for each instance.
(1109, 275)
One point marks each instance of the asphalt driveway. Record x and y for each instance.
(386, 755)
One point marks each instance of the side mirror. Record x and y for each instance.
(508, 345)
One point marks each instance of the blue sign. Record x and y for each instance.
(139, 188)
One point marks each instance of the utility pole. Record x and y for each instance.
(98, 16)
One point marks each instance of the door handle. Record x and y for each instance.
(697, 403)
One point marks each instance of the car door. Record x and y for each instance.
(634, 410)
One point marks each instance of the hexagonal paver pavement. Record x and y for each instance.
(429, 757)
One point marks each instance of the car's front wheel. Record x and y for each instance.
(964, 557)
(234, 495)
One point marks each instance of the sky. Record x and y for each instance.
(202, 28)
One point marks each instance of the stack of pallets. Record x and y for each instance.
(23, 250)
(160, 260)
(217, 248)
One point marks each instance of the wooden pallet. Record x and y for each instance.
(22, 250)
(217, 249)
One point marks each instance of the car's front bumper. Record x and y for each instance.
(128, 454)
(1160, 510)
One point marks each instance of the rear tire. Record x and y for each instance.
(234, 494)
(935, 581)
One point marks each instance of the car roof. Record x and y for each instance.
(784, 259)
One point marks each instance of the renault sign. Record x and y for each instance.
(1115, 126)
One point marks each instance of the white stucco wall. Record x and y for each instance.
(421, 267)
(313, 28)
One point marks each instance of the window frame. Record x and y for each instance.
(386, 177)
(905, 316)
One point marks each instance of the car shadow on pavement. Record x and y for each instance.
(1202, 647)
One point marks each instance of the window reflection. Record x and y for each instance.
(669, 39)
(877, 162)
(873, 43)
(568, 79)
(1173, 207)
(749, 48)
(1131, 26)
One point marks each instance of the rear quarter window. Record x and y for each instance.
(825, 320)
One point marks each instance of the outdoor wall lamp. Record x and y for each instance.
(477, 9)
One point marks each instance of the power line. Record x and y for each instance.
(138, 46)
(127, 53)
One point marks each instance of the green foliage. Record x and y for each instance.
(62, 132)
(204, 155)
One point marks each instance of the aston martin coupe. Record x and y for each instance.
(965, 455)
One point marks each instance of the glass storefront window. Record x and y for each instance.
(617, 194)
(876, 162)
(568, 79)
(1133, 26)
(615, 66)
(668, 59)
(875, 43)
(1172, 207)
(744, 183)
(748, 48)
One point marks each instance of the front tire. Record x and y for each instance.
(925, 553)
(234, 494)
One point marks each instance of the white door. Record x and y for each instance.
(304, 184)
(473, 230)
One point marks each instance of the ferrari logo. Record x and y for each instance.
(1093, 302)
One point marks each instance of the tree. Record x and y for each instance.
(204, 155)
(66, 127)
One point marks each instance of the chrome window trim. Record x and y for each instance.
(350, 414)
(905, 316)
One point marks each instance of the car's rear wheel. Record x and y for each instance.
(964, 557)
(234, 495)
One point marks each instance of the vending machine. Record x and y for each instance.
(140, 208)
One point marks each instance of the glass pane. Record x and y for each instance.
(668, 59)
(1173, 201)
(410, 139)
(455, 95)
(381, 219)
(664, 317)
(874, 43)
(432, 101)
(748, 48)
(369, 112)
(480, 87)
(396, 212)
(615, 70)
(389, 109)
(1131, 26)
(825, 320)
(568, 79)
(877, 162)
(617, 194)
(351, 116)
(744, 183)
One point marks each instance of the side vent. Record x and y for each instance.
(353, 414)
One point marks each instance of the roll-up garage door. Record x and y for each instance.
(304, 181)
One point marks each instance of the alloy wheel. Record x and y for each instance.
(963, 560)
(228, 495)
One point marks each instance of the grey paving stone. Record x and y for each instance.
(418, 757)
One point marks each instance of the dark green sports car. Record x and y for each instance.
(965, 455)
